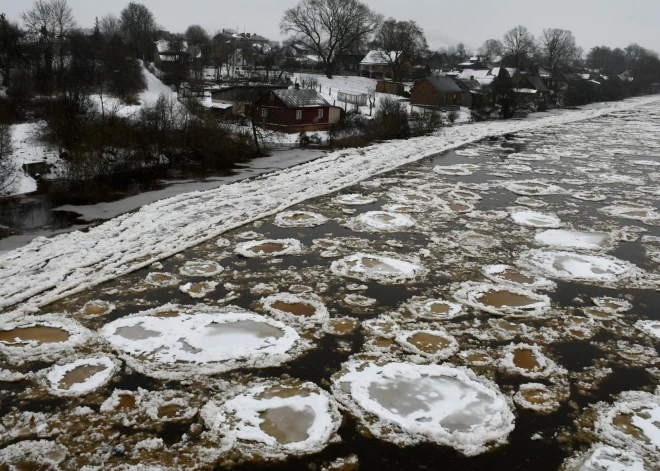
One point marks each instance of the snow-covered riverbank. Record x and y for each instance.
(50, 269)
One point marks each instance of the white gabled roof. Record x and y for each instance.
(477, 74)
(377, 58)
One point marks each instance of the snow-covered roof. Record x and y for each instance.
(377, 58)
(163, 46)
(496, 71)
(585, 76)
(477, 74)
(530, 91)
(301, 98)
(444, 85)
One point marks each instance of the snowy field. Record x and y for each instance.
(490, 307)
(50, 269)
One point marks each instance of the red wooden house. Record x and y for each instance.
(296, 110)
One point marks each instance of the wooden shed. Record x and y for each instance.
(436, 92)
(296, 110)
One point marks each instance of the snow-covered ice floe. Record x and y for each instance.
(435, 345)
(457, 169)
(179, 341)
(408, 404)
(269, 248)
(632, 423)
(80, 376)
(502, 300)
(525, 217)
(201, 268)
(628, 210)
(79, 260)
(529, 361)
(299, 219)
(41, 337)
(354, 199)
(383, 268)
(162, 279)
(274, 419)
(572, 266)
(33, 454)
(305, 308)
(650, 327)
(574, 239)
(533, 188)
(198, 290)
(601, 457)
(540, 397)
(506, 274)
(434, 309)
(380, 221)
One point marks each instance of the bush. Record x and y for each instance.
(452, 116)
(391, 121)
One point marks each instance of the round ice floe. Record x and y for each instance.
(80, 376)
(412, 197)
(433, 344)
(435, 309)
(381, 221)
(502, 300)
(628, 210)
(530, 202)
(632, 423)
(151, 407)
(507, 274)
(40, 337)
(525, 217)
(407, 404)
(457, 169)
(460, 207)
(357, 300)
(97, 308)
(382, 268)
(162, 279)
(615, 178)
(297, 308)
(605, 458)
(198, 290)
(539, 397)
(467, 152)
(275, 419)
(460, 194)
(354, 200)
(529, 361)
(534, 188)
(574, 239)
(577, 267)
(269, 248)
(200, 339)
(299, 219)
(650, 327)
(589, 196)
(201, 268)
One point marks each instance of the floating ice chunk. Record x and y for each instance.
(574, 239)
(435, 345)
(578, 267)
(588, 196)
(646, 163)
(457, 169)
(525, 217)
(435, 309)
(467, 152)
(650, 327)
(507, 274)
(33, 454)
(357, 300)
(269, 248)
(533, 188)
(529, 361)
(608, 304)
(460, 194)
(605, 458)
(539, 397)
(80, 376)
(407, 404)
(381, 268)
(502, 300)
(201, 268)
(162, 279)
(628, 210)
(97, 308)
(412, 197)
(40, 337)
(299, 219)
(632, 423)
(275, 419)
(615, 178)
(354, 200)
(305, 308)
(460, 207)
(199, 339)
(198, 290)
(530, 202)
(381, 221)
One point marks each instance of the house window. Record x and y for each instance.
(319, 114)
(264, 112)
(272, 97)
(298, 114)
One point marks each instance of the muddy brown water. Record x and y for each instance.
(38, 334)
(267, 248)
(298, 309)
(498, 299)
(79, 375)
(318, 365)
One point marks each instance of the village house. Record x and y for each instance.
(375, 65)
(472, 92)
(296, 110)
(532, 89)
(436, 93)
(170, 54)
(240, 98)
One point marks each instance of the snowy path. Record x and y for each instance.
(50, 269)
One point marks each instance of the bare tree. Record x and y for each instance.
(139, 25)
(401, 42)
(110, 26)
(64, 22)
(10, 48)
(7, 170)
(330, 28)
(490, 49)
(558, 46)
(519, 47)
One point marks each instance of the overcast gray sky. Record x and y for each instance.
(614, 23)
